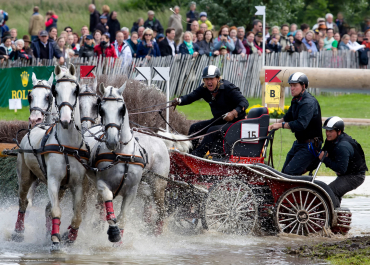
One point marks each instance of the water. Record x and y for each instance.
(141, 248)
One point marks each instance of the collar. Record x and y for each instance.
(170, 41)
(299, 97)
(44, 43)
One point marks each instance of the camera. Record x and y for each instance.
(225, 35)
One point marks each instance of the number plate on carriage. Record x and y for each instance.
(250, 130)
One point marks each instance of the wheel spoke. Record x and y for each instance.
(293, 228)
(247, 211)
(314, 208)
(291, 204)
(289, 225)
(315, 223)
(218, 220)
(216, 214)
(289, 214)
(305, 202)
(285, 220)
(313, 230)
(319, 219)
(237, 195)
(300, 200)
(311, 203)
(299, 226)
(222, 223)
(288, 208)
(308, 232)
(295, 201)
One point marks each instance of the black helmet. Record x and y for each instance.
(211, 71)
(334, 123)
(300, 78)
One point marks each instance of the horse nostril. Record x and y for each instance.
(38, 120)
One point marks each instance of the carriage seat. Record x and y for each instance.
(323, 185)
(255, 125)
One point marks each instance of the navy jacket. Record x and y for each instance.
(227, 99)
(143, 51)
(35, 46)
(304, 117)
(154, 25)
(184, 50)
(94, 20)
(345, 156)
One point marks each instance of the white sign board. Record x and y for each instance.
(143, 73)
(163, 73)
(250, 130)
(15, 103)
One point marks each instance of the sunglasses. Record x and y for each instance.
(68, 30)
(147, 34)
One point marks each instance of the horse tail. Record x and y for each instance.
(183, 146)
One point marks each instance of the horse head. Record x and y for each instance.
(65, 92)
(113, 111)
(88, 104)
(40, 99)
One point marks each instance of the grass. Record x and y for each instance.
(74, 13)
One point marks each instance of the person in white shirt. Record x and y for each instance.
(126, 33)
(167, 46)
(123, 50)
(330, 24)
(353, 44)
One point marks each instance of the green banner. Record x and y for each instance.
(16, 82)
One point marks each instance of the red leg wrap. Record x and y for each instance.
(19, 225)
(110, 210)
(55, 226)
(122, 233)
(159, 228)
(72, 234)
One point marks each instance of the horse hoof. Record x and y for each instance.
(114, 234)
(17, 237)
(55, 247)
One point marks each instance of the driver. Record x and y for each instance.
(304, 119)
(227, 104)
(345, 156)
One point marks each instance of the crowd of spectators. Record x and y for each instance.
(147, 38)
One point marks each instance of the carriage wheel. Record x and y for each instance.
(231, 207)
(302, 211)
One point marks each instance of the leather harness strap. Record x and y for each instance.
(119, 158)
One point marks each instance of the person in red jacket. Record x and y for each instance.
(50, 20)
(105, 48)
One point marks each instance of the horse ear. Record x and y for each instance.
(122, 88)
(102, 88)
(51, 79)
(57, 70)
(72, 70)
(34, 79)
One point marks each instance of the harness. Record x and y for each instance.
(44, 112)
(84, 94)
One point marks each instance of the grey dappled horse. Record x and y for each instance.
(66, 94)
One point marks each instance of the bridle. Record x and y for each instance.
(112, 125)
(65, 103)
(90, 119)
(44, 112)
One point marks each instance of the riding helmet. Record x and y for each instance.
(334, 123)
(211, 71)
(298, 77)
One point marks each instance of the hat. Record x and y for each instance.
(223, 47)
(322, 27)
(44, 33)
(160, 35)
(259, 34)
(320, 19)
(89, 37)
(107, 34)
(317, 31)
(267, 26)
(103, 17)
(203, 14)
(26, 38)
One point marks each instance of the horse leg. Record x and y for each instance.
(25, 180)
(53, 190)
(49, 218)
(100, 207)
(159, 187)
(77, 194)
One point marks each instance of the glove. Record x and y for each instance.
(231, 115)
(176, 101)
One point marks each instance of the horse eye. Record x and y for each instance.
(47, 97)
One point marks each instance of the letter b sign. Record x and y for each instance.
(272, 93)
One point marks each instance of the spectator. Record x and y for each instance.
(36, 23)
(274, 30)
(258, 42)
(13, 35)
(105, 10)
(6, 47)
(320, 21)
(148, 48)
(69, 30)
(27, 45)
(203, 27)
(305, 28)
(320, 45)
(133, 42)
(267, 33)
(239, 47)
(310, 44)
(353, 45)
(113, 26)
(61, 45)
(341, 24)
(284, 40)
(337, 37)
(240, 33)
(97, 37)
(257, 26)
(250, 48)
(87, 47)
(194, 29)
(105, 49)
(223, 51)
(71, 45)
(102, 25)
(199, 36)
(274, 44)
(137, 24)
(360, 37)
(160, 37)
(366, 41)
(317, 36)
(175, 22)
(293, 30)
(122, 49)
(343, 45)
(94, 17)
(206, 45)
(153, 23)
(53, 34)
(204, 19)
(329, 41)
(366, 26)
(51, 20)
(330, 24)
(84, 32)
(155, 33)
(323, 29)
(126, 33)
(76, 39)
(19, 52)
(191, 16)
(223, 39)
(299, 46)
(189, 47)
(43, 48)
(140, 32)
(64, 34)
(167, 46)
(3, 18)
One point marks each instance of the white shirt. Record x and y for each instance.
(172, 45)
(354, 46)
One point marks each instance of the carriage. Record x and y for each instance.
(240, 194)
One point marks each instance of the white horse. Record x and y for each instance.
(62, 169)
